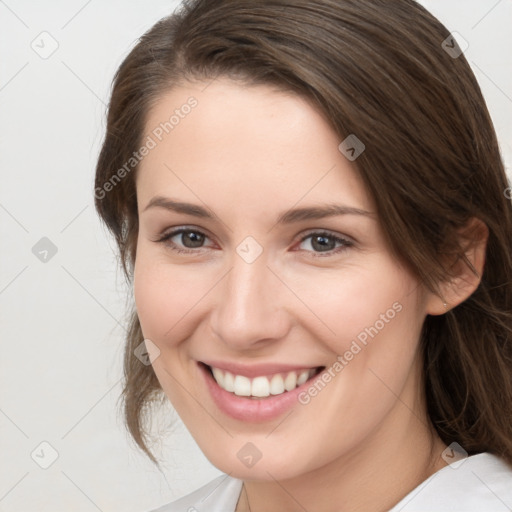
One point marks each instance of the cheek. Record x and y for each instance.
(359, 304)
(157, 297)
(377, 333)
(377, 318)
(168, 298)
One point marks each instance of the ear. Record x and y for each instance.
(467, 270)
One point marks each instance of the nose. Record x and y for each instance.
(251, 306)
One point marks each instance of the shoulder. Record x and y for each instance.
(479, 482)
(219, 495)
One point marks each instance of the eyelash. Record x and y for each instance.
(345, 244)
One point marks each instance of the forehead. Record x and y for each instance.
(225, 138)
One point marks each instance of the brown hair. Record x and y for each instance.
(378, 69)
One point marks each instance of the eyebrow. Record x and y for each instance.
(287, 217)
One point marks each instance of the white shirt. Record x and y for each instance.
(481, 483)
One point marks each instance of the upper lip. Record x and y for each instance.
(257, 370)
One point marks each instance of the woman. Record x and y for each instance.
(310, 201)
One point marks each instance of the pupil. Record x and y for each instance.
(322, 243)
(191, 239)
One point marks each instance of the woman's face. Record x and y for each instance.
(260, 257)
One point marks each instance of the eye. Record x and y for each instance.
(184, 240)
(324, 242)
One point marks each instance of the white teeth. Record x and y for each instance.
(229, 381)
(219, 376)
(303, 377)
(242, 386)
(291, 381)
(276, 385)
(260, 387)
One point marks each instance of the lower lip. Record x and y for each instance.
(248, 409)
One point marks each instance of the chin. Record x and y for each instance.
(254, 458)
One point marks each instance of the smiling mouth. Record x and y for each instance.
(262, 386)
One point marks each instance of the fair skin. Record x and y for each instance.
(248, 154)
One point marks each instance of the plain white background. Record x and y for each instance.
(62, 319)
